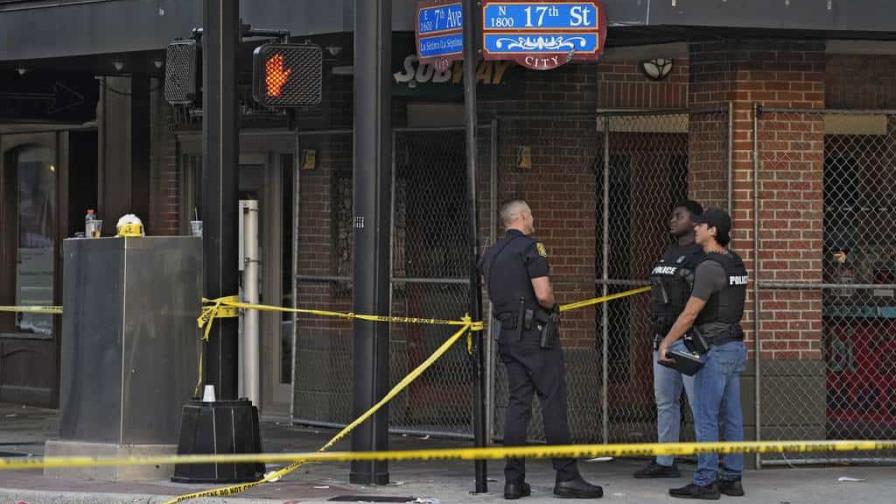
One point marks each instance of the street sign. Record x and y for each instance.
(543, 35)
(287, 75)
(440, 32)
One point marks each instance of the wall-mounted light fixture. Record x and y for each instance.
(657, 69)
(118, 64)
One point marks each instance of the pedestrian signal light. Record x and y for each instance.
(181, 72)
(287, 75)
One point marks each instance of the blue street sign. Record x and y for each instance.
(543, 42)
(439, 18)
(539, 16)
(440, 31)
(444, 45)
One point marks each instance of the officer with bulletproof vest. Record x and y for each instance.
(515, 270)
(671, 280)
(711, 319)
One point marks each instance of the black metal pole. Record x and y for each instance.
(471, 59)
(220, 153)
(372, 189)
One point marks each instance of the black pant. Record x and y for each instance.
(532, 369)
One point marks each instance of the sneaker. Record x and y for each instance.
(692, 491)
(654, 470)
(734, 488)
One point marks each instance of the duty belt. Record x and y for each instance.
(508, 320)
(735, 333)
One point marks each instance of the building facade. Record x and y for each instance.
(782, 114)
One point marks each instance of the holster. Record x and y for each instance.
(695, 341)
(548, 325)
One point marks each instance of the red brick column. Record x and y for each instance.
(781, 74)
(773, 74)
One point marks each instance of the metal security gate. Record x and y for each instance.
(637, 164)
(640, 164)
(430, 275)
(833, 376)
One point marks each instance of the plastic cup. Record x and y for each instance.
(96, 229)
(196, 228)
(208, 394)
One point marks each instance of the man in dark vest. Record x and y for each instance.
(516, 271)
(671, 281)
(715, 309)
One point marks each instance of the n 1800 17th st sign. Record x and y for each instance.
(543, 35)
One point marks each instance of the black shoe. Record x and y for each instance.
(577, 489)
(514, 491)
(692, 491)
(654, 470)
(734, 488)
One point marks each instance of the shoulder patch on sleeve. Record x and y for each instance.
(539, 247)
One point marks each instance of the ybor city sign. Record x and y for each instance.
(543, 35)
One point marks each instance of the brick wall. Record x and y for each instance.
(775, 74)
(621, 84)
(164, 192)
(560, 186)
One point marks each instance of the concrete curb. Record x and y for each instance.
(18, 496)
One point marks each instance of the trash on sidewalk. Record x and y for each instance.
(600, 459)
(848, 479)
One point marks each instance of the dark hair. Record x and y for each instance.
(691, 206)
(723, 238)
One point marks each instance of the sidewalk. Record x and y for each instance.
(442, 482)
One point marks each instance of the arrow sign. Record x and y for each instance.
(62, 98)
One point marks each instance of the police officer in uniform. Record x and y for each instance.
(715, 309)
(671, 281)
(515, 270)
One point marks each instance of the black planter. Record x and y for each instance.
(220, 427)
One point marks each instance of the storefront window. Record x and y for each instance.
(36, 223)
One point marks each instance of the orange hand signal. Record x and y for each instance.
(275, 75)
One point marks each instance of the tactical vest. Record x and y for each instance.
(671, 281)
(727, 305)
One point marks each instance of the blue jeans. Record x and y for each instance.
(667, 386)
(717, 401)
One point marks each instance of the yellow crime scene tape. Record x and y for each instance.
(229, 307)
(215, 309)
(489, 453)
(49, 310)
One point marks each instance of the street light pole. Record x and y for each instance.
(471, 58)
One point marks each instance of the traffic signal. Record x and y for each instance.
(181, 72)
(287, 75)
